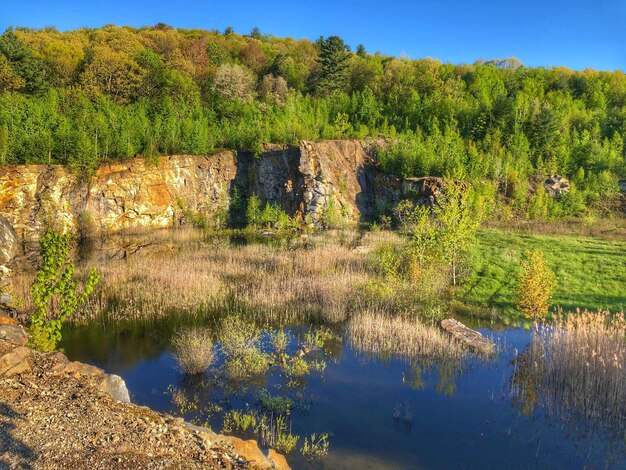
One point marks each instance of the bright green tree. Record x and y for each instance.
(457, 225)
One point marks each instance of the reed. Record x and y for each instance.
(575, 368)
(321, 278)
(380, 334)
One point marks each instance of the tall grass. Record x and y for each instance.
(379, 334)
(321, 277)
(575, 368)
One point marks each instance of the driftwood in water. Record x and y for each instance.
(471, 338)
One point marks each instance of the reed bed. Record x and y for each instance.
(575, 368)
(280, 283)
(379, 334)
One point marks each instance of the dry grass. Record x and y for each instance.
(319, 276)
(379, 334)
(193, 349)
(576, 368)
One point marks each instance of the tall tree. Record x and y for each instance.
(333, 59)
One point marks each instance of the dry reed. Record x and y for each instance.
(409, 339)
(575, 368)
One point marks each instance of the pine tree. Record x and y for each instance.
(333, 65)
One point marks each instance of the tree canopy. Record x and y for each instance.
(91, 95)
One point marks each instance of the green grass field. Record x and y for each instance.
(591, 272)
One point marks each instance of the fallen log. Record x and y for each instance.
(471, 338)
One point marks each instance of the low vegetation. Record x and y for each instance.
(193, 349)
(590, 271)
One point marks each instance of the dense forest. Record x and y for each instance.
(91, 95)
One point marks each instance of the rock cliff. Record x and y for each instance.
(308, 181)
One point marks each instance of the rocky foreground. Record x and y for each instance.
(60, 414)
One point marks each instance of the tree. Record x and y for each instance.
(55, 292)
(333, 65)
(458, 224)
(22, 62)
(534, 286)
(234, 82)
(360, 51)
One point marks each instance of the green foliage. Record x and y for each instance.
(55, 292)
(333, 65)
(458, 223)
(74, 99)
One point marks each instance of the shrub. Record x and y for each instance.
(237, 336)
(55, 292)
(535, 286)
(298, 368)
(193, 350)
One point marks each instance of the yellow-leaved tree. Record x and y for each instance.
(534, 286)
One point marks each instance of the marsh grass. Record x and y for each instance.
(575, 368)
(321, 277)
(376, 333)
(193, 349)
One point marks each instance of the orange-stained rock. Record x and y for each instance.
(4, 320)
(279, 460)
(15, 362)
(77, 369)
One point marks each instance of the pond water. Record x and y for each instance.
(380, 412)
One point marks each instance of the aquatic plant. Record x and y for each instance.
(379, 334)
(315, 447)
(193, 350)
(575, 368)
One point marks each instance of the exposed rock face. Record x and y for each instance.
(8, 241)
(309, 181)
(556, 185)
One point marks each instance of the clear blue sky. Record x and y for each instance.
(574, 33)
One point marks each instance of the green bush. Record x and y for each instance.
(55, 292)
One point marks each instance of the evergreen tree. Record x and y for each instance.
(333, 65)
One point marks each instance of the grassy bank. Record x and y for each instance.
(591, 272)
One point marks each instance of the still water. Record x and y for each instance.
(381, 412)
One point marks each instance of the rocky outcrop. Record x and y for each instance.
(48, 394)
(314, 181)
(8, 251)
(555, 185)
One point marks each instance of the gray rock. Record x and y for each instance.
(14, 334)
(5, 298)
(8, 241)
(115, 386)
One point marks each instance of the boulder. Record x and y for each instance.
(279, 460)
(17, 361)
(556, 185)
(14, 334)
(8, 241)
(115, 386)
(78, 369)
(471, 338)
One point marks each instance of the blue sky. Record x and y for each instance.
(573, 33)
